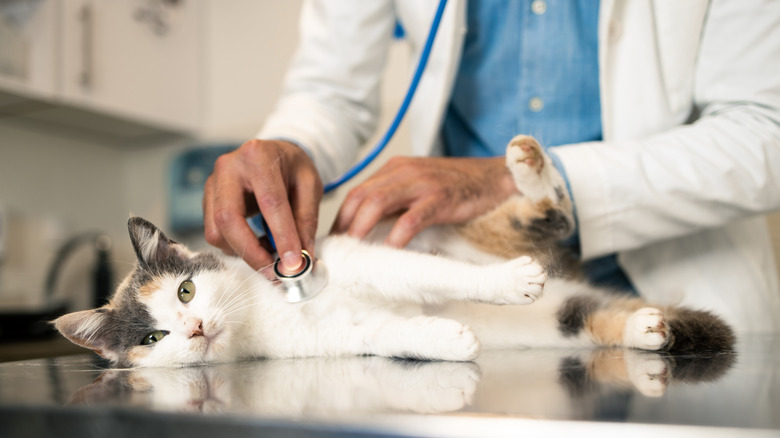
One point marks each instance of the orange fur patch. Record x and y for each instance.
(148, 289)
(606, 325)
(497, 232)
(493, 232)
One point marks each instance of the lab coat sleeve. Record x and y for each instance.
(723, 167)
(330, 100)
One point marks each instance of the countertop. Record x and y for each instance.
(504, 393)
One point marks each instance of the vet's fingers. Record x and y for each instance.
(272, 200)
(380, 202)
(417, 218)
(305, 203)
(389, 175)
(229, 215)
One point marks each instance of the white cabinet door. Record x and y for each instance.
(133, 58)
(28, 35)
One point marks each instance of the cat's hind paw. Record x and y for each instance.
(524, 155)
(526, 161)
(646, 329)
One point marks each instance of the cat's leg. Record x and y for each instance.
(545, 209)
(539, 217)
(419, 337)
(626, 322)
(400, 275)
(631, 322)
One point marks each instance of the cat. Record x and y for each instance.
(451, 292)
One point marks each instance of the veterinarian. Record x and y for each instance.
(664, 117)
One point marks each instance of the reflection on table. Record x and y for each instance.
(738, 389)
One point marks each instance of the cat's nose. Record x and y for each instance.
(196, 330)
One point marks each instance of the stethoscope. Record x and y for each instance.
(311, 279)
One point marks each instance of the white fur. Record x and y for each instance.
(379, 301)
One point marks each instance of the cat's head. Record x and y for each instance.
(176, 307)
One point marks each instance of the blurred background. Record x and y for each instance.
(110, 108)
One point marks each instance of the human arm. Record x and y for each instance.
(329, 107)
(634, 189)
(331, 96)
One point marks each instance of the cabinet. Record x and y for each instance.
(132, 58)
(210, 69)
(28, 35)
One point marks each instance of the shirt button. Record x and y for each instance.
(539, 7)
(535, 104)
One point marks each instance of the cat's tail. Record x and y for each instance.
(697, 331)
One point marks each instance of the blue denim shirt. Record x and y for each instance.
(529, 67)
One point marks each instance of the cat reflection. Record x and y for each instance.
(312, 387)
(536, 383)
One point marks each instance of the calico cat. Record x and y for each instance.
(454, 290)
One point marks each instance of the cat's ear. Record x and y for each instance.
(87, 329)
(152, 246)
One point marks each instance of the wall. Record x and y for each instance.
(774, 229)
(55, 186)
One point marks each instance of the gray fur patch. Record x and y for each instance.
(553, 225)
(559, 194)
(573, 314)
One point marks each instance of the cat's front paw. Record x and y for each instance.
(453, 341)
(648, 372)
(518, 281)
(646, 329)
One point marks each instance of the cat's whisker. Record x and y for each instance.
(238, 296)
(238, 308)
(230, 294)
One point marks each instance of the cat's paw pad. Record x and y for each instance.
(648, 372)
(526, 160)
(524, 155)
(521, 281)
(454, 341)
(646, 329)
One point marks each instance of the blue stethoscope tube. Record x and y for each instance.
(258, 223)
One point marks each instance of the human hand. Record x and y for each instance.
(426, 191)
(275, 178)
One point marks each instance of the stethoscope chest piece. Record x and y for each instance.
(306, 283)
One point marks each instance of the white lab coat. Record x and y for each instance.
(690, 97)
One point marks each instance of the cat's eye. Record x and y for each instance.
(153, 337)
(186, 291)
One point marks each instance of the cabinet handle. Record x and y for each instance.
(87, 23)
